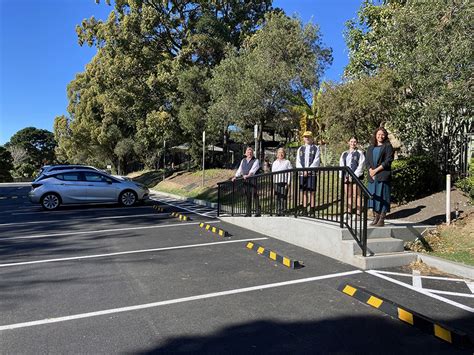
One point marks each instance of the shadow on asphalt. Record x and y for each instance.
(348, 335)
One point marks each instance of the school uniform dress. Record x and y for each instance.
(280, 183)
(308, 156)
(251, 167)
(380, 186)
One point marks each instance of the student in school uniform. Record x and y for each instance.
(354, 159)
(281, 181)
(308, 156)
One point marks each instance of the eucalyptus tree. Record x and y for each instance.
(256, 83)
(148, 52)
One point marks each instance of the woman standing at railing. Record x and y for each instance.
(247, 169)
(281, 181)
(354, 159)
(379, 161)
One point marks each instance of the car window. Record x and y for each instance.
(94, 177)
(69, 176)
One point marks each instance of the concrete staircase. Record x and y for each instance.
(384, 244)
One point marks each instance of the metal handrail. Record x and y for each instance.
(322, 194)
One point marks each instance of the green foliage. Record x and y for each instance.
(467, 184)
(358, 107)
(256, 83)
(145, 83)
(31, 148)
(365, 37)
(24, 170)
(427, 45)
(6, 164)
(414, 177)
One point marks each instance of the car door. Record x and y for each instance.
(101, 188)
(72, 187)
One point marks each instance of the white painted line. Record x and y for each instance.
(81, 219)
(41, 211)
(459, 294)
(417, 279)
(103, 231)
(470, 284)
(423, 277)
(173, 301)
(177, 206)
(129, 252)
(422, 291)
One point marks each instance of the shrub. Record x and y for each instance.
(467, 184)
(414, 177)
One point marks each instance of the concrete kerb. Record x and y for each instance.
(407, 316)
(449, 267)
(292, 264)
(188, 199)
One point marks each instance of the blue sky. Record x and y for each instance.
(39, 53)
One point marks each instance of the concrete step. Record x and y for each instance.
(384, 260)
(378, 246)
(372, 233)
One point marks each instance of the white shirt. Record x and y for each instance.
(360, 168)
(252, 171)
(307, 164)
(280, 165)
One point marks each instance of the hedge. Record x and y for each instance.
(415, 177)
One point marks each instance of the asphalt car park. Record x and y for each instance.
(108, 279)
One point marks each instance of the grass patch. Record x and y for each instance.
(200, 193)
(454, 242)
(183, 183)
(149, 178)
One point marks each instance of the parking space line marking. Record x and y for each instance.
(126, 252)
(422, 276)
(81, 219)
(417, 279)
(470, 284)
(174, 301)
(101, 231)
(177, 206)
(40, 210)
(422, 291)
(459, 294)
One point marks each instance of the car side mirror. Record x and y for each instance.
(109, 181)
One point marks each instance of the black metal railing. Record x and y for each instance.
(332, 194)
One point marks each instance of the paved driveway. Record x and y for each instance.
(106, 279)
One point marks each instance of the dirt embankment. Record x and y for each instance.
(189, 184)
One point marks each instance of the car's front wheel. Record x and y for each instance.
(128, 198)
(50, 201)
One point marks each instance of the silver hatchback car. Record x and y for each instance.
(80, 186)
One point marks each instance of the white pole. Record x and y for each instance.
(255, 135)
(448, 199)
(164, 159)
(203, 154)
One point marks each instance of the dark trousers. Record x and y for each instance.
(251, 193)
(281, 193)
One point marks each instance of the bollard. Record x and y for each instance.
(448, 199)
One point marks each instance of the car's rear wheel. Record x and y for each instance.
(50, 201)
(128, 198)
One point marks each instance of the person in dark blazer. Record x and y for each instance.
(379, 162)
